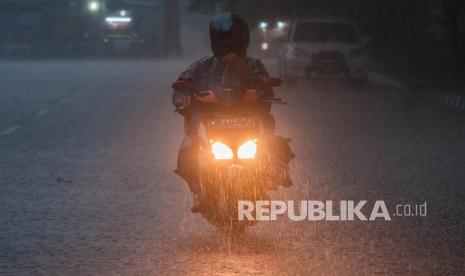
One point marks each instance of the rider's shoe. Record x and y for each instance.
(287, 181)
(198, 204)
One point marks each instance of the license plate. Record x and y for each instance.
(231, 122)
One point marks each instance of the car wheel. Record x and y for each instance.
(359, 79)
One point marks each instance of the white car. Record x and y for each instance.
(321, 48)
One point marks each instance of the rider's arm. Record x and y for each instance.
(181, 99)
(255, 76)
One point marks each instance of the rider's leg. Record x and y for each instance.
(187, 164)
(187, 160)
(280, 149)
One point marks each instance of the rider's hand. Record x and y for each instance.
(207, 96)
(251, 96)
(183, 101)
(237, 63)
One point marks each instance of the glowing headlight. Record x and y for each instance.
(111, 20)
(221, 151)
(263, 25)
(93, 6)
(248, 150)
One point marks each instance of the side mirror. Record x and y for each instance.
(180, 85)
(273, 82)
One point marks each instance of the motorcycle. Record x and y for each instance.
(235, 157)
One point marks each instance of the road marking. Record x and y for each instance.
(42, 113)
(9, 130)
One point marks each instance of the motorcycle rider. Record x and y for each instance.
(229, 36)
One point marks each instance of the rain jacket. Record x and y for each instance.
(207, 73)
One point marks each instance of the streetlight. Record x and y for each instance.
(93, 6)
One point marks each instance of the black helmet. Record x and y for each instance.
(229, 33)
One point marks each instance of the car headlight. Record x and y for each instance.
(221, 151)
(281, 24)
(248, 150)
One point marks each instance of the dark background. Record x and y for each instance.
(418, 40)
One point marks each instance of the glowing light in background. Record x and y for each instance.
(265, 46)
(112, 20)
(93, 6)
(263, 25)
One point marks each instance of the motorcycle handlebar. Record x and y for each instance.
(183, 86)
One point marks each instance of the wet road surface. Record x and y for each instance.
(87, 151)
